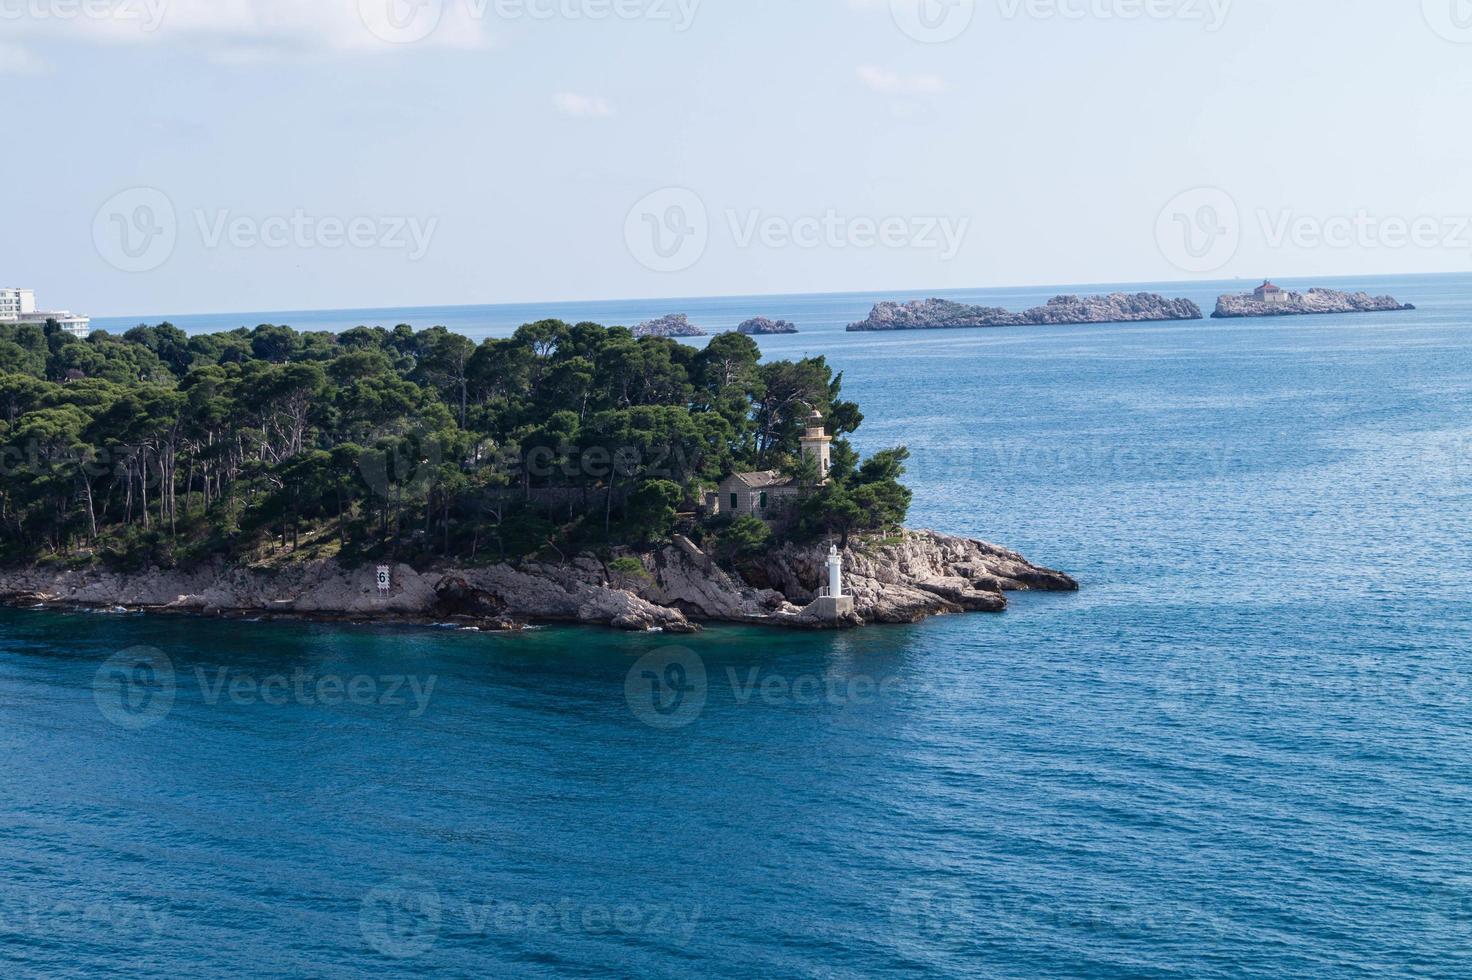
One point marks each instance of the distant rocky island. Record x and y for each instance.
(1272, 300)
(941, 314)
(761, 326)
(673, 325)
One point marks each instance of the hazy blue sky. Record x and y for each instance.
(788, 145)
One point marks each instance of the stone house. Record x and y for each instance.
(1269, 293)
(767, 494)
(764, 495)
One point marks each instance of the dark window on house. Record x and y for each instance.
(735, 502)
(764, 500)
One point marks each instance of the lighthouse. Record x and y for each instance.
(817, 445)
(835, 572)
(831, 605)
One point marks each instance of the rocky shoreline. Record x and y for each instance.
(901, 579)
(1315, 301)
(941, 314)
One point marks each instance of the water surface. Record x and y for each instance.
(1241, 749)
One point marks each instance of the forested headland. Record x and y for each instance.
(158, 448)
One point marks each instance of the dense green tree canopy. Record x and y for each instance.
(156, 446)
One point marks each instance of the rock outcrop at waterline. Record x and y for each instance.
(894, 580)
(1314, 301)
(673, 325)
(760, 326)
(942, 314)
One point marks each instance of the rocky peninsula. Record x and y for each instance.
(566, 473)
(897, 579)
(673, 325)
(940, 314)
(1315, 301)
(761, 326)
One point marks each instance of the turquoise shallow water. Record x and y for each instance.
(1245, 748)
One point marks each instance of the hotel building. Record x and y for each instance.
(18, 306)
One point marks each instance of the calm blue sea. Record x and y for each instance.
(1243, 749)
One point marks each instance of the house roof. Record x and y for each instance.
(1268, 287)
(762, 480)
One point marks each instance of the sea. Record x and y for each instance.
(1243, 748)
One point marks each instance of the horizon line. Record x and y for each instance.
(743, 296)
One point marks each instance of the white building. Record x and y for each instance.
(18, 306)
(14, 302)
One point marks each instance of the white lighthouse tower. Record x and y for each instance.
(831, 605)
(835, 573)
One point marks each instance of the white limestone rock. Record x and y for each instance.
(1315, 301)
(941, 314)
(899, 579)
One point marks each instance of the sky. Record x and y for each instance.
(181, 156)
